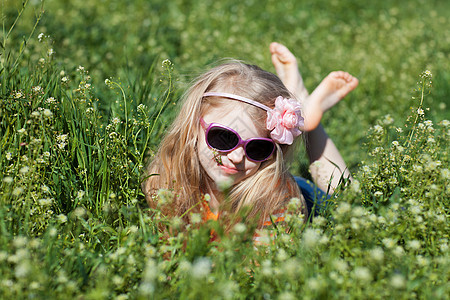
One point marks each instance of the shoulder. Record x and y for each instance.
(276, 217)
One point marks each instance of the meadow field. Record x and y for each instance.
(88, 89)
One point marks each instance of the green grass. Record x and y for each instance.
(73, 142)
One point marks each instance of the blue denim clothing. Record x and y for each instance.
(315, 198)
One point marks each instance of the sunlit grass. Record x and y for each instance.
(85, 101)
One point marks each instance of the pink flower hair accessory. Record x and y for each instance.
(284, 121)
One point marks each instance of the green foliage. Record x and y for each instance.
(84, 100)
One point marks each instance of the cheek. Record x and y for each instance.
(253, 167)
(204, 154)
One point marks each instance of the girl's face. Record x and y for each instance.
(225, 168)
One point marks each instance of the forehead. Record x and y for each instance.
(237, 118)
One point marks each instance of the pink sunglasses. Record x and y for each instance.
(225, 139)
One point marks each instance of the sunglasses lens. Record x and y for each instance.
(222, 139)
(259, 150)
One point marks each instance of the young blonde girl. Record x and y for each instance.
(231, 137)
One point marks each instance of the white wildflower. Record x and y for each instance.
(62, 138)
(397, 281)
(343, 208)
(8, 179)
(314, 283)
(50, 100)
(420, 111)
(294, 204)
(80, 194)
(48, 112)
(388, 120)
(22, 269)
(79, 212)
(417, 168)
(356, 186)
(319, 221)
(286, 296)
(41, 37)
(225, 184)
(45, 188)
(428, 123)
(53, 232)
(378, 129)
(358, 211)
(176, 222)
(22, 131)
(389, 243)
(17, 191)
(340, 265)
(115, 121)
(3, 256)
(381, 220)
(133, 229)
(362, 274)
(45, 202)
(266, 267)
(61, 218)
(377, 254)
(311, 237)
(413, 245)
(24, 170)
(37, 89)
(146, 289)
(282, 255)
(166, 63)
(422, 261)
(35, 285)
(18, 95)
(20, 242)
(201, 267)
(239, 228)
(50, 52)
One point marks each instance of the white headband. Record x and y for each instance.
(283, 121)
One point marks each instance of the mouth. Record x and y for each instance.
(229, 170)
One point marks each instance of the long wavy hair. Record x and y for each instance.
(176, 165)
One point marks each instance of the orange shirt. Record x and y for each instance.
(276, 217)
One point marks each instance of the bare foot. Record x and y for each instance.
(286, 67)
(330, 91)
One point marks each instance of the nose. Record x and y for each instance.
(237, 155)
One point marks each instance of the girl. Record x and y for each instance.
(232, 135)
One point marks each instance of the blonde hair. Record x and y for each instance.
(177, 164)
